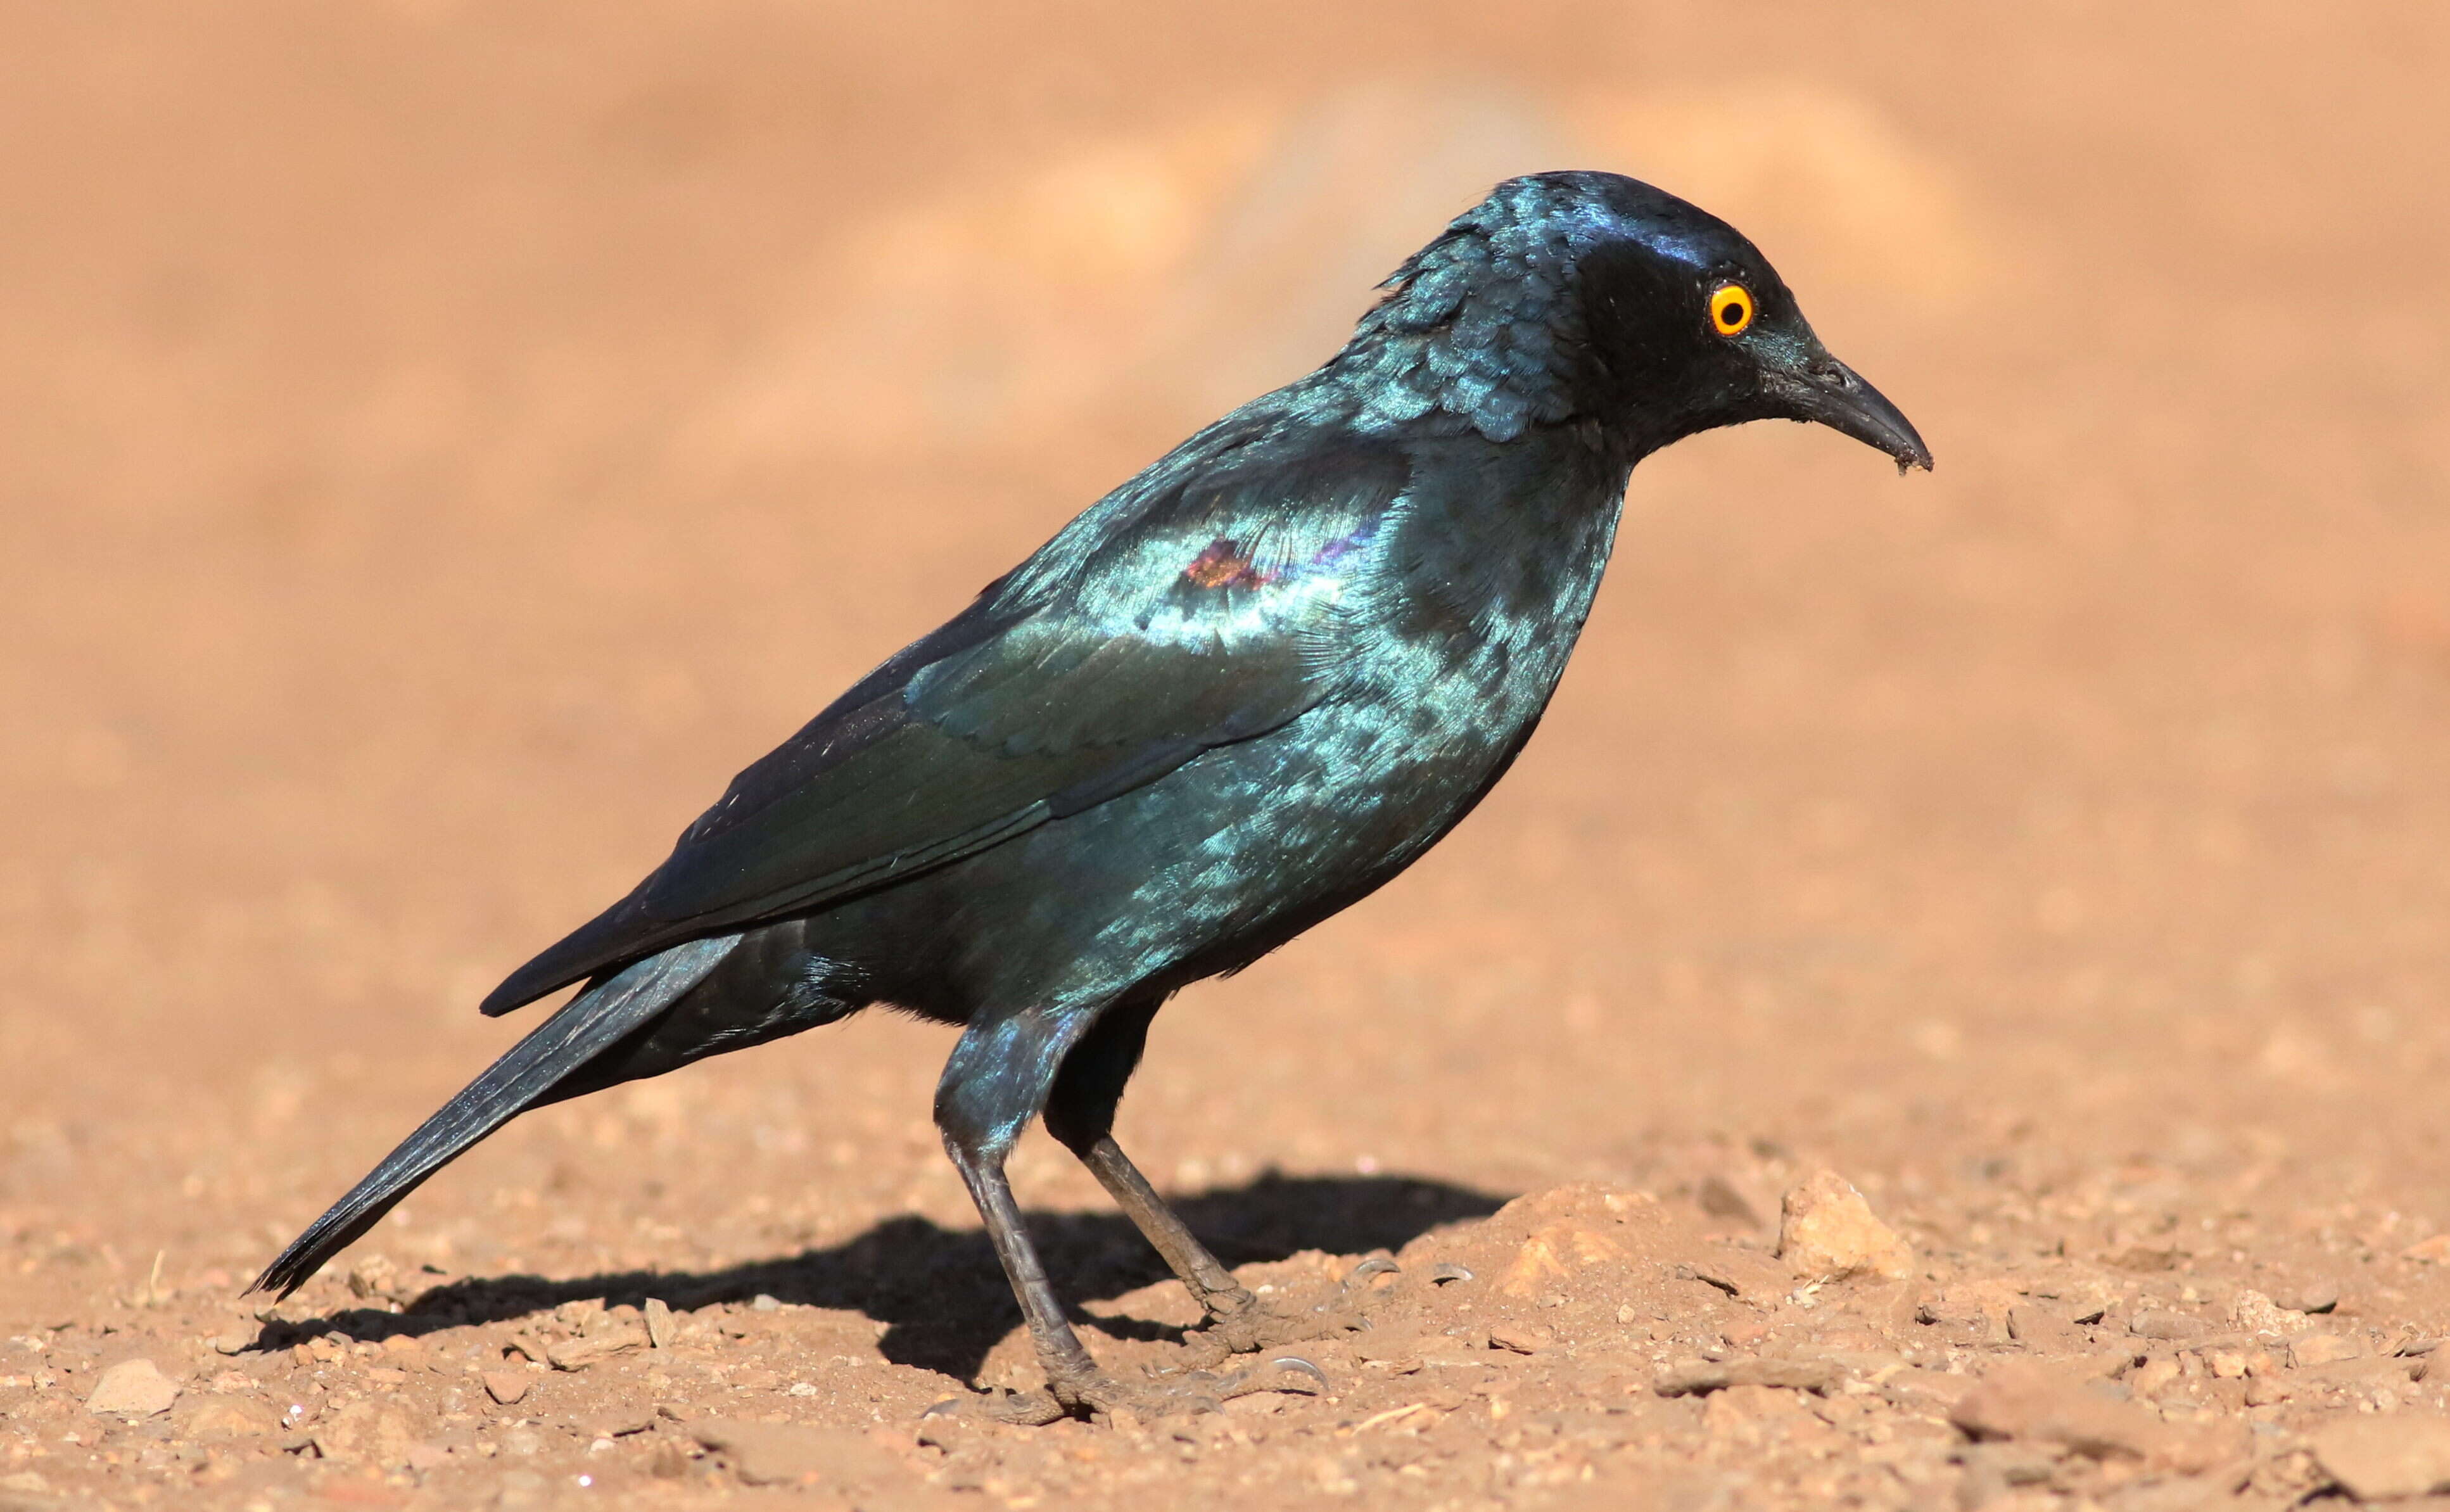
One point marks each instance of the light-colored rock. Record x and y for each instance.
(2319, 1295)
(366, 1432)
(619, 1422)
(1745, 1273)
(2378, 1459)
(1738, 1414)
(623, 1319)
(1828, 1233)
(2155, 1376)
(507, 1387)
(374, 1277)
(132, 1388)
(789, 1454)
(1925, 1393)
(217, 1416)
(1552, 1255)
(660, 1332)
(601, 1343)
(2324, 1349)
(1818, 1376)
(2035, 1404)
(2257, 1313)
(369, 1432)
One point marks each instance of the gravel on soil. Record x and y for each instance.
(1948, 1014)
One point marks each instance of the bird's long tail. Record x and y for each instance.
(588, 1026)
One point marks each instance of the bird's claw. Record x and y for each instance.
(1377, 1265)
(1244, 1325)
(1292, 1365)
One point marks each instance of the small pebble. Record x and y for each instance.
(132, 1388)
(1828, 1233)
(2311, 1296)
(2324, 1349)
(1701, 1378)
(2257, 1313)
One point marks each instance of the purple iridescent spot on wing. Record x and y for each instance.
(1342, 547)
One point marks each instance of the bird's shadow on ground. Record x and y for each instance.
(940, 1291)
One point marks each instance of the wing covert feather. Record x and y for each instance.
(1204, 616)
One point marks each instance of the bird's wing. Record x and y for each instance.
(1144, 635)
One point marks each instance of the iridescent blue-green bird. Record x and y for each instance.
(1233, 697)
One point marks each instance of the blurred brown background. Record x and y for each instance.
(441, 442)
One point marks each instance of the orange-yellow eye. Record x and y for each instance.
(1731, 309)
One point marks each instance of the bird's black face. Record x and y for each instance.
(1690, 328)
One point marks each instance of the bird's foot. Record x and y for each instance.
(1243, 1324)
(1095, 1395)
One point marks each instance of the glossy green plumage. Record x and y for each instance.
(1236, 695)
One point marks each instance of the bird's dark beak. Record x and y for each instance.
(1822, 390)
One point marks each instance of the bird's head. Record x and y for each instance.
(1592, 296)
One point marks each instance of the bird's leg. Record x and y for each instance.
(1236, 1318)
(998, 1076)
(1201, 1274)
(1081, 1113)
(1060, 1353)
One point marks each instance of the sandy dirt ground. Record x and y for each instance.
(1949, 1013)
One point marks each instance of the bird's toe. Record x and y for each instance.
(1254, 1325)
(1029, 1409)
(1103, 1397)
